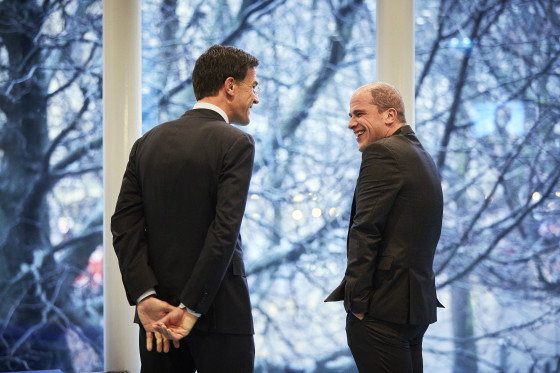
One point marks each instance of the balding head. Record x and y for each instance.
(385, 96)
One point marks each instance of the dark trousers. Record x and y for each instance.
(380, 346)
(201, 352)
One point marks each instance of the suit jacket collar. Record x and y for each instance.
(404, 130)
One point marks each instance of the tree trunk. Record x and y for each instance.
(465, 359)
(29, 276)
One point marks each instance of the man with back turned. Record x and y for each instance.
(388, 288)
(177, 220)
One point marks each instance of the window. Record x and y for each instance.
(487, 75)
(312, 54)
(487, 109)
(50, 189)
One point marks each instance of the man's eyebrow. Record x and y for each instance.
(357, 111)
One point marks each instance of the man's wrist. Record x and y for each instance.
(146, 294)
(182, 306)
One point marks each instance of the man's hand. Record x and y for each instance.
(176, 324)
(151, 310)
(360, 316)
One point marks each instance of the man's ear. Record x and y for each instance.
(391, 116)
(229, 86)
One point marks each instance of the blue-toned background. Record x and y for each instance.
(487, 109)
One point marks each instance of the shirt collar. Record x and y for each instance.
(217, 109)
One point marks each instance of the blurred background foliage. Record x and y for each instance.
(487, 109)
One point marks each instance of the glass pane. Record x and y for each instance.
(50, 186)
(312, 54)
(487, 108)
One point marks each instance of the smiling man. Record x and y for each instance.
(395, 223)
(177, 220)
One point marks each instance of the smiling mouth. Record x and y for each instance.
(359, 133)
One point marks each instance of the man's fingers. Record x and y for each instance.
(176, 344)
(159, 341)
(162, 342)
(171, 335)
(149, 341)
(161, 328)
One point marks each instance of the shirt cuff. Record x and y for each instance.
(189, 310)
(145, 295)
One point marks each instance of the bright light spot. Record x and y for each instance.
(557, 194)
(272, 310)
(333, 212)
(536, 196)
(282, 155)
(300, 347)
(313, 197)
(254, 196)
(420, 21)
(152, 42)
(297, 215)
(299, 198)
(63, 225)
(316, 212)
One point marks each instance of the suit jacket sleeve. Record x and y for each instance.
(222, 236)
(128, 226)
(378, 185)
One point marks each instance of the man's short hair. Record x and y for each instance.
(217, 64)
(385, 96)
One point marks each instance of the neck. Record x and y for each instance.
(219, 102)
(393, 128)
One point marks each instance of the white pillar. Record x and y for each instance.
(122, 106)
(395, 48)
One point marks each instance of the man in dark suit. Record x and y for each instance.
(389, 289)
(177, 220)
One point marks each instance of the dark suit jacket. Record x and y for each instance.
(395, 226)
(177, 220)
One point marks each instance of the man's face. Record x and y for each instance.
(367, 123)
(245, 97)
